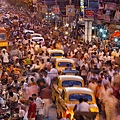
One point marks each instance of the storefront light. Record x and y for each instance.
(55, 28)
(94, 36)
(53, 14)
(104, 35)
(66, 24)
(93, 28)
(116, 39)
(101, 30)
(66, 32)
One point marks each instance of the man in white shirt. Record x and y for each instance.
(12, 100)
(39, 106)
(5, 57)
(53, 72)
(83, 106)
(47, 78)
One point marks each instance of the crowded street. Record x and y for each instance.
(51, 69)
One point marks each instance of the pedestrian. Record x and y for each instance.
(39, 105)
(46, 95)
(32, 109)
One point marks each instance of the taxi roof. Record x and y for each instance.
(64, 60)
(36, 34)
(78, 89)
(55, 50)
(63, 77)
(38, 38)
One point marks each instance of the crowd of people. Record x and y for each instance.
(26, 71)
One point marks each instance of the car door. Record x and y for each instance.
(55, 91)
(61, 104)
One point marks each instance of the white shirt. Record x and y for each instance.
(47, 80)
(39, 103)
(14, 98)
(5, 57)
(53, 73)
(21, 113)
(92, 86)
(83, 107)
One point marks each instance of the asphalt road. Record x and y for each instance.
(52, 113)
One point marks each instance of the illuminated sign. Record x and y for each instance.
(82, 5)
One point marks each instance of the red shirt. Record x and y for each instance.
(32, 110)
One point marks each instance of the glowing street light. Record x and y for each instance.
(66, 32)
(55, 27)
(101, 30)
(94, 36)
(104, 35)
(66, 24)
(116, 39)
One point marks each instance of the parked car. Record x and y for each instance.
(28, 31)
(65, 64)
(70, 72)
(55, 54)
(38, 40)
(70, 97)
(65, 81)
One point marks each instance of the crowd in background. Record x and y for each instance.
(26, 72)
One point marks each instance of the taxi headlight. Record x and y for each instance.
(70, 112)
(94, 109)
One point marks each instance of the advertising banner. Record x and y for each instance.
(44, 8)
(70, 10)
(56, 9)
(99, 15)
(110, 6)
(106, 18)
(88, 13)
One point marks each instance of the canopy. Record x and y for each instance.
(115, 34)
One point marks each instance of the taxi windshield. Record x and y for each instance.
(56, 54)
(76, 96)
(71, 83)
(36, 36)
(65, 64)
(2, 36)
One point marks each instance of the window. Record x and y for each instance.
(56, 54)
(2, 36)
(63, 94)
(74, 97)
(71, 83)
(65, 64)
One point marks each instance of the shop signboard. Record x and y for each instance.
(99, 15)
(70, 10)
(110, 6)
(56, 9)
(106, 18)
(44, 8)
(88, 13)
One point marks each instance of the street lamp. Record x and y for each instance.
(101, 30)
(104, 35)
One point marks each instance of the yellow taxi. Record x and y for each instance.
(70, 97)
(65, 81)
(64, 63)
(55, 54)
